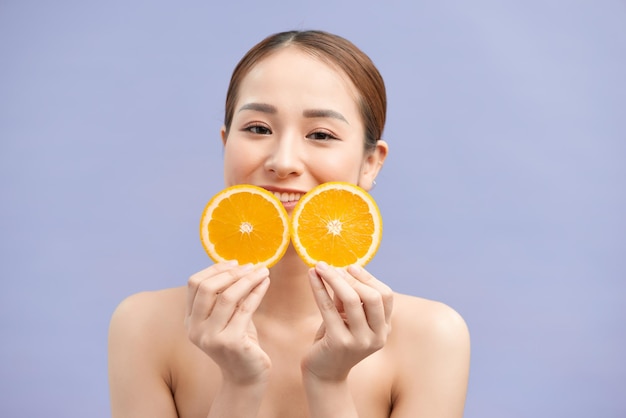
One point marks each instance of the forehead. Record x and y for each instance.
(298, 73)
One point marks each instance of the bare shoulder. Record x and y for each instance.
(144, 310)
(430, 346)
(144, 330)
(148, 321)
(430, 320)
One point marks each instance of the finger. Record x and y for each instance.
(326, 305)
(363, 305)
(208, 287)
(338, 279)
(229, 300)
(195, 280)
(368, 279)
(373, 305)
(247, 307)
(338, 304)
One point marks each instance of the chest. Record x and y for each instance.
(196, 380)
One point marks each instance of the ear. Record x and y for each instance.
(372, 163)
(223, 134)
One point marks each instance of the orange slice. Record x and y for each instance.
(338, 223)
(245, 223)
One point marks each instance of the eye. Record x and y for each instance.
(258, 129)
(321, 136)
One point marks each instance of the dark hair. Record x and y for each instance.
(334, 50)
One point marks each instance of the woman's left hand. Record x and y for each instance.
(356, 320)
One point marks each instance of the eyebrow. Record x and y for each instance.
(259, 107)
(308, 113)
(324, 113)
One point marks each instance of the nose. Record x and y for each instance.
(285, 160)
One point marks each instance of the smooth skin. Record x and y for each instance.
(290, 341)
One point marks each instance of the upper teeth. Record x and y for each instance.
(288, 197)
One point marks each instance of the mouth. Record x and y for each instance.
(288, 197)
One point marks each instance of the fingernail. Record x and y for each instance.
(247, 267)
(354, 269)
(231, 263)
(322, 266)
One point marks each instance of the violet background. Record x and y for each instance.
(503, 195)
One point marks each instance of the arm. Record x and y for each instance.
(356, 323)
(433, 362)
(218, 318)
(237, 400)
(220, 302)
(328, 398)
(137, 375)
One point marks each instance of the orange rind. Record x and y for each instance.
(245, 223)
(338, 223)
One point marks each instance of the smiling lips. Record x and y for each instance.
(288, 197)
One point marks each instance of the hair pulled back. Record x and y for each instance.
(334, 50)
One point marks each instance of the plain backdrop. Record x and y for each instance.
(503, 196)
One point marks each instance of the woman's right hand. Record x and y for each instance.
(220, 303)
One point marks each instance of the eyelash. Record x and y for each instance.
(254, 129)
(264, 130)
(327, 136)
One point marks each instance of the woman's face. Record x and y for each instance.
(296, 125)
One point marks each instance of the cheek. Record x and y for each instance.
(337, 166)
(235, 162)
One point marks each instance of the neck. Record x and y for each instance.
(289, 295)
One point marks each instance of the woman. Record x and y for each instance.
(303, 108)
